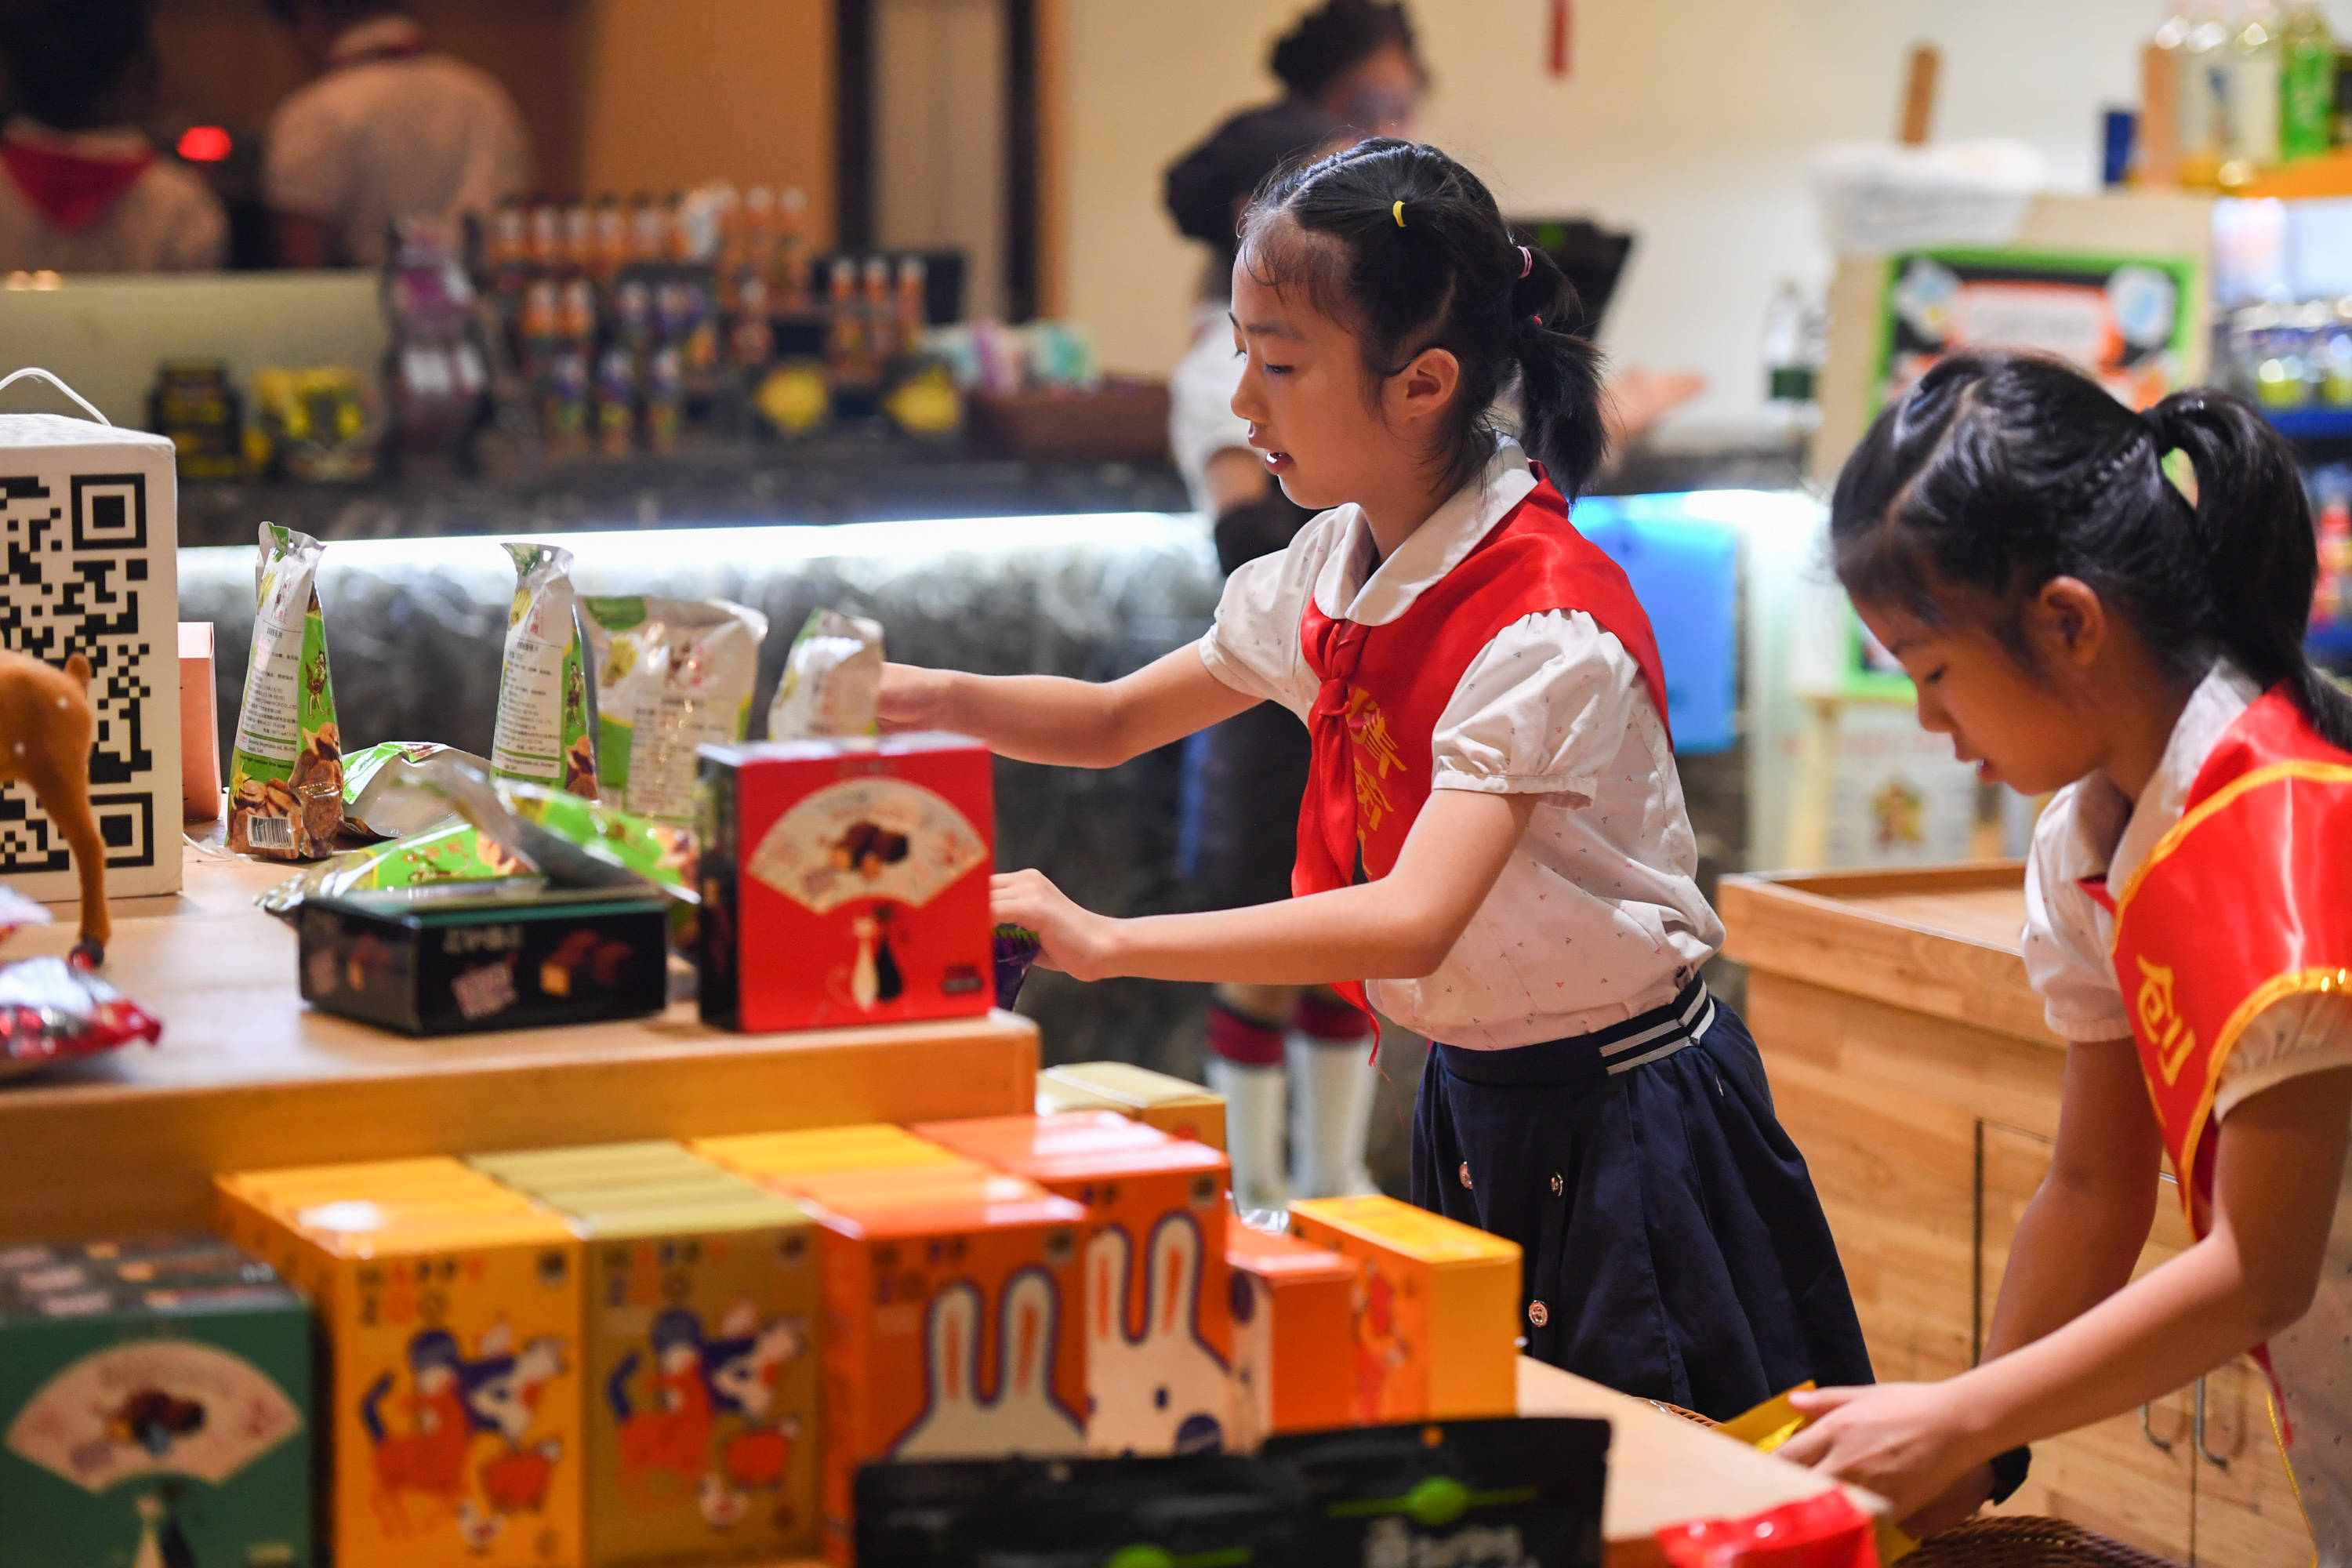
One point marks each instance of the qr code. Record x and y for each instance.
(75, 554)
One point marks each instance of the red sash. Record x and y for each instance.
(1384, 687)
(72, 190)
(2244, 903)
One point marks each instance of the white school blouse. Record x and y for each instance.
(2090, 829)
(1597, 916)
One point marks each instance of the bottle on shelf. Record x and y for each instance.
(1794, 348)
(648, 231)
(2331, 602)
(546, 235)
(2250, 108)
(788, 272)
(2308, 83)
(612, 238)
(2201, 43)
(881, 317)
(913, 312)
(579, 236)
(844, 327)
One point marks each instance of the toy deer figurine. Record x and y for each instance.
(45, 730)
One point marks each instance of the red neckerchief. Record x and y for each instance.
(71, 190)
(1384, 688)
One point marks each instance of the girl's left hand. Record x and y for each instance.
(1903, 1440)
(1075, 942)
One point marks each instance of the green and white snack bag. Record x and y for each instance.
(457, 851)
(671, 675)
(543, 726)
(374, 804)
(285, 770)
(833, 680)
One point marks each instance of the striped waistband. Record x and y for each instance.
(1638, 1041)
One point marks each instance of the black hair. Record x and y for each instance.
(1328, 41)
(2000, 471)
(1445, 273)
(1204, 186)
(65, 57)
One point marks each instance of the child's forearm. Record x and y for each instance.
(1354, 934)
(1070, 723)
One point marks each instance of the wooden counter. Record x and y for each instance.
(1910, 1062)
(247, 1075)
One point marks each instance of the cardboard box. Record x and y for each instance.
(1436, 1311)
(1294, 1304)
(950, 1325)
(845, 881)
(703, 1302)
(1159, 1312)
(1174, 1105)
(450, 1311)
(200, 770)
(91, 514)
(450, 958)
(781, 1159)
(143, 1425)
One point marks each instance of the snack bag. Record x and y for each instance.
(833, 680)
(286, 773)
(542, 727)
(453, 852)
(374, 804)
(52, 1012)
(671, 675)
(616, 840)
(1015, 948)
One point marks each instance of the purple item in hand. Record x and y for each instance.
(1017, 948)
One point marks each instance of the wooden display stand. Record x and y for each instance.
(247, 1074)
(1910, 1062)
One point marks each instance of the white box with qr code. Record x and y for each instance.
(90, 533)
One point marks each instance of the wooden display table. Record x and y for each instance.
(1910, 1062)
(247, 1075)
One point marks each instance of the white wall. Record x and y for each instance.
(1686, 122)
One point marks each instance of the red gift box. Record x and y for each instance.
(845, 881)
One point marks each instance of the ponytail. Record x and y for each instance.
(2253, 531)
(1560, 377)
(1407, 247)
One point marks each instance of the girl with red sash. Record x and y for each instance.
(2075, 622)
(1493, 846)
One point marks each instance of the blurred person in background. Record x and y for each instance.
(390, 128)
(1293, 1063)
(84, 190)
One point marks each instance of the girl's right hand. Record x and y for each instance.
(913, 697)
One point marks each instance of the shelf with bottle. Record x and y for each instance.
(2246, 89)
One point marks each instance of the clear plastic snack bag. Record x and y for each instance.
(285, 770)
(542, 733)
(833, 680)
(671, 675)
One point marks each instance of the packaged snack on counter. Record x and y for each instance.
(619, 841)
(1501, 1491)
(286, 773)
(1174, 1105)
(1436, 1309)
(450, 1344)
(833, 680)
(950, 1326)
(703, 1297)
(542, 725)
(458, 852)
(375, 803)
(51, 1011)
(1292, 1303)
(1158, 1311)
(157, 1412)
(1083, 1513)
(452, 958)
(671, 675)
(845, 882)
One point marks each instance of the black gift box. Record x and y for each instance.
(456, 958)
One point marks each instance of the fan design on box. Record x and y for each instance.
(167, 1407)
(879, 841)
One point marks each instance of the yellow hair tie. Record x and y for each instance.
(1398, 211)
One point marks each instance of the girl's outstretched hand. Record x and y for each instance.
(1075, 942)
(1905, 1441)
(912, 698)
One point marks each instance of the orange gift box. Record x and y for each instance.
(1291, 1304)
(949, 1327)
(1436, 1309)
(1159, 1312)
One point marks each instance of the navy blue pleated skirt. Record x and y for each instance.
(1675, 1248)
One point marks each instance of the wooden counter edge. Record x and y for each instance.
(1806, 933)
